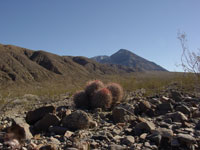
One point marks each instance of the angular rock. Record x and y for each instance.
(144, 106)
(48, 147)
(21, 123)
(128, 140)
(68, 134)
(19, 130)
(165, 107)
(176, 96)
(184, 109)
(33, 116)
(121, 114)
(47, 121)
(156, 138)
(77, 120)
(166, 133)
(186, 138)
(116, 147)
(177, 117)
(144, 127)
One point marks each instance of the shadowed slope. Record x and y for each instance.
(21, 64)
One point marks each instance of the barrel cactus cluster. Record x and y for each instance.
(98, 95)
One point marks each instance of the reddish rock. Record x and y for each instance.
(33, 116)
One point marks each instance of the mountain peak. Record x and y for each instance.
(123, 51)
(127, 58)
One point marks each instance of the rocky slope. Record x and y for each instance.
(169, 120)
(23, 65)
(127, 58)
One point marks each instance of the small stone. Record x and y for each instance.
(156, 138)
(48, 147)
(176, 96)
(186, 138)
(184, 109)
(144, 106)
(177, 117)
(116, 147)
(147, 144)
(165, 107)
(143, 136)
(144, 127)
(128, 140)
(68, 134)
(166, 133)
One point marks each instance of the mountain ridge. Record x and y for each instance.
(129, 59)
(24, 65)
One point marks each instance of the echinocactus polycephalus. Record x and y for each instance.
(81, 99)
(116, 91)
(102, 99)
(93, 86)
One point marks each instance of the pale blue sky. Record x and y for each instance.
(101, 27)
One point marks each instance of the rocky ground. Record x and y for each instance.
(169, 120)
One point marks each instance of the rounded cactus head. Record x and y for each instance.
(102, 99)
(80, 99)
(93, 86)
(117, 92)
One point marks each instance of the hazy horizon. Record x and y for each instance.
(91, 28)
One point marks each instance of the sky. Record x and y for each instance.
(89, 28)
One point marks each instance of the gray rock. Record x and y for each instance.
(177, 117)
(144, 127)
(77, 120)
(176, 96)
(20, 123)
(128, 140)
(121, 114)
(186, 138)
(48, 147)
(156, 138)
(165, 107)
(184, 109)
(144, 106)
(166, 133)
(116, 147)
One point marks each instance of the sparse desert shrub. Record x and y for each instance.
(102, 99)
(116, 91)
(81, 99)
(93, 86)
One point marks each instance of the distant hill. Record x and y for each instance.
(23, 65)
(127, 58)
